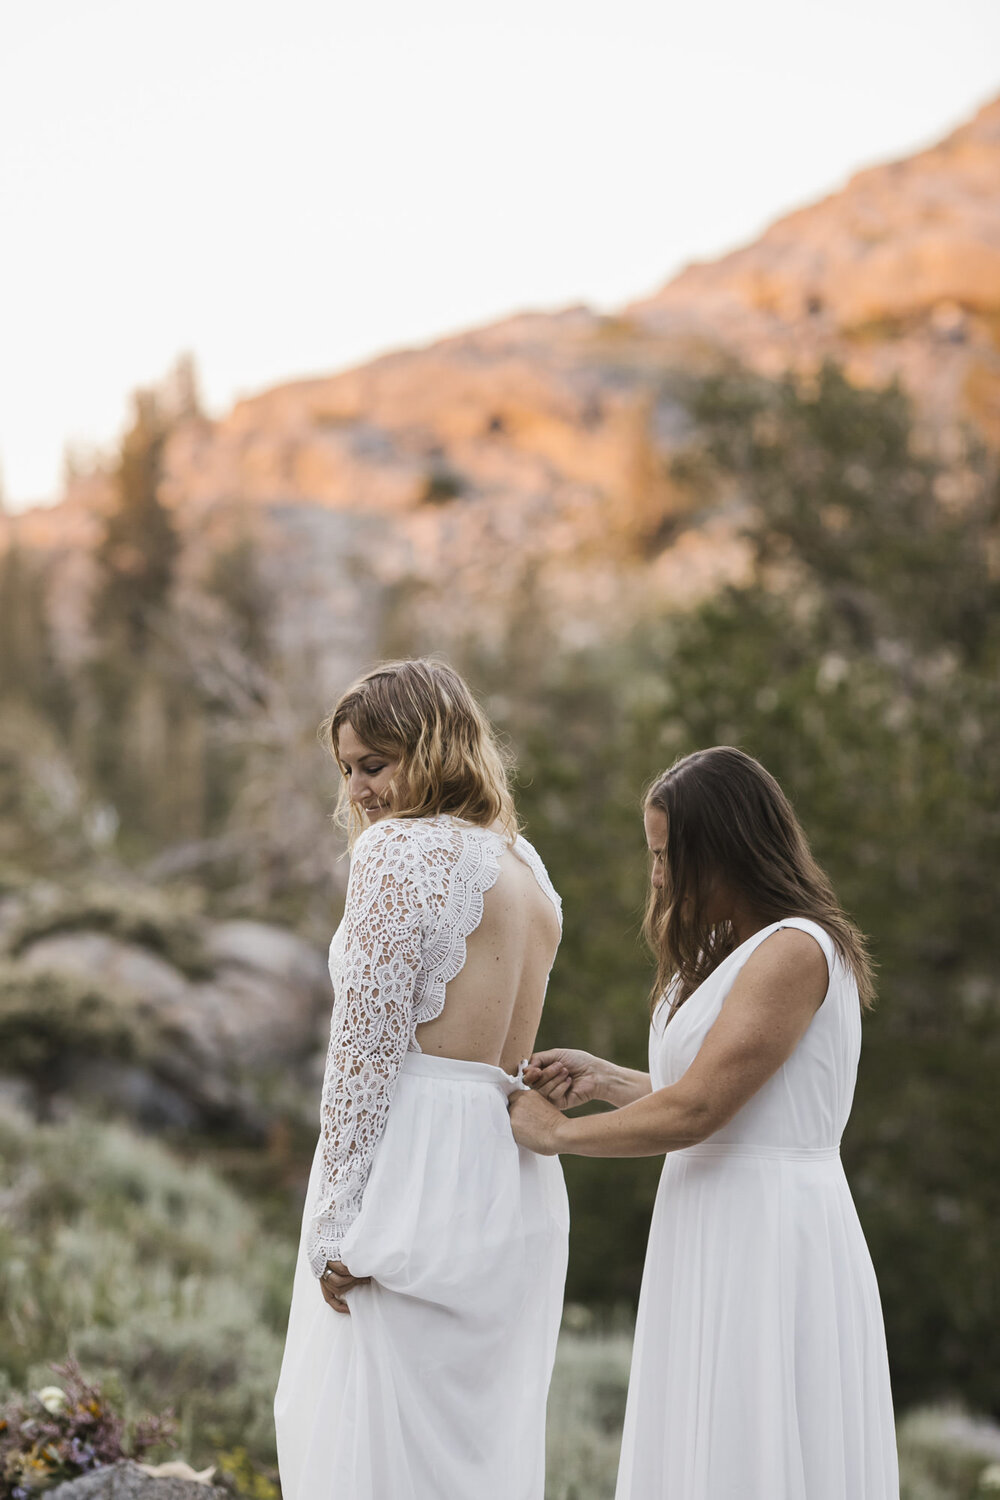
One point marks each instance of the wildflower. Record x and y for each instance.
(52, 1397)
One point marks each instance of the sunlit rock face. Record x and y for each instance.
(430, 495)
(897, 275)
(466, 472)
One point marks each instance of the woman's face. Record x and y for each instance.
(368, 773)
(717, 903)
(655, 820)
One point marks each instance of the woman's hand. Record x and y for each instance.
(564, 1077)
(535, 1122)
(335, 1282)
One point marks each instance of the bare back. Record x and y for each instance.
(494, 1004)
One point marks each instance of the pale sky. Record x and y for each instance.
(288, 187)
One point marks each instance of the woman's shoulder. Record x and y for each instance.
(438, 838)
(393, 841)
(531, 857)
(796, 945)
(811, 930)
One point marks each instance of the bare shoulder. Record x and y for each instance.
(787, 963)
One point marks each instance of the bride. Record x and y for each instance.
(429, 1282)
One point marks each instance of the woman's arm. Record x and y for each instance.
(371, 1028)
(773, 999)
(567, 1078)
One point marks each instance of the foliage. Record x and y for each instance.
(859, 661)
(945, 1454)
(586, 1409)
(239, 1471)
(167, 923)
(441, 485)
(62, 1431)
(47, 819)
(148, 1269)
(29, 670)
(50, 1020)
(137, 552)
(234, 577)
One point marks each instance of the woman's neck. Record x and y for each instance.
(745, 922)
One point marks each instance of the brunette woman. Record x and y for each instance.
(759, 1370)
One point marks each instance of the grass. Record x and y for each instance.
(162, 1280)
(153, 1272)
(586, 1409)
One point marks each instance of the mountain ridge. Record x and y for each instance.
(533, 454)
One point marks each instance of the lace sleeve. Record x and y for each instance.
(376, 974)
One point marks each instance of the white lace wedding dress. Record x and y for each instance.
(434, 1387)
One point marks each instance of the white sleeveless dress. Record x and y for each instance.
(759, 1370)
(434, 1387)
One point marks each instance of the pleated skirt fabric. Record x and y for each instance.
(434, 1387)
(759, 1370)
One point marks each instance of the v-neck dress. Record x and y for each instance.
(759, 1370)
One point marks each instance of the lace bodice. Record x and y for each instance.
(414, 895)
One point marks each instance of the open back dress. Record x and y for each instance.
(434, 1387)
(759, 1370)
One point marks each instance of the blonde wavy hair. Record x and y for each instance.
(423, 714)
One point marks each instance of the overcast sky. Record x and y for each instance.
(290, 188)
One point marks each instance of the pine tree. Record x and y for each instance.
(28, 668)
(137, 554)
(132, 680)
(182, 390)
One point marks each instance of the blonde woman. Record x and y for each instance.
(759, 1370)
(428, 1290)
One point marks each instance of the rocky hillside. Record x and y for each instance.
(897, 275)
(131, 1000)
(526, 461)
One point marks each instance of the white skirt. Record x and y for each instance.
(434, 1387)
(759, 1370)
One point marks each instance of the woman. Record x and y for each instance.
(428, 1290)
(759, 1370)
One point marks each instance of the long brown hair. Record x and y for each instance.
(729, 820)
(423, 714)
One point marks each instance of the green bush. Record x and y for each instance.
(859, 659)
(167, 924)
(945, 1454)
(48, 1018)
(586, 1410)
(150, 1270)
